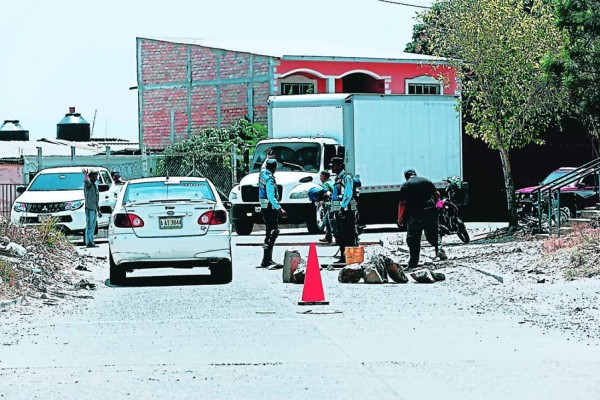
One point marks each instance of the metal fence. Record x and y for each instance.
(8, 194)
(219, 168)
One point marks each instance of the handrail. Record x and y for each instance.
(569, 177)
(586, 169)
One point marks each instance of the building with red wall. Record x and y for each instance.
(186, 85)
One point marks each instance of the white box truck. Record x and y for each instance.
(379, 136)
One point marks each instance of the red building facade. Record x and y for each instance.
(185, 86)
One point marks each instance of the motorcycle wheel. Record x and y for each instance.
(462, 233)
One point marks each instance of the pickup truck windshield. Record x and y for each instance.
(157, 191)
(554, 175)
(289, 156)
(53, 182)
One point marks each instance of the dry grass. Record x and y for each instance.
(578, 253)
(48, 250)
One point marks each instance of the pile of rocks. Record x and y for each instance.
(37, 264)
(380, 268)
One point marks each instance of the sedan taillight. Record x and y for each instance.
(128, 221)
(217, 217)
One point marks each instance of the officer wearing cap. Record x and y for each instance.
(91, 196)
(418, 197)
(270, 210)
(343, 207)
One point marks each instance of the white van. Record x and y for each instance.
(58, 193)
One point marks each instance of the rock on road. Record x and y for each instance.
(180, 337)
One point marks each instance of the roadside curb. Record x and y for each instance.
(8, 303)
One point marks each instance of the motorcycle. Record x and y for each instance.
(449, 220)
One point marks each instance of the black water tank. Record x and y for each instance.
(11, 130)
(73, 127)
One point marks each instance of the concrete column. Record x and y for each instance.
(330, 84)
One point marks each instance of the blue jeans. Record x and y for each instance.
(90, 225)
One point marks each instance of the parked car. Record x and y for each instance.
(170, 222)
(577, 195)
(58, 193)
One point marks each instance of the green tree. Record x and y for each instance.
(497, 48)
(577, 66)
(209, 152)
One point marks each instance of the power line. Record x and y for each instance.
(404, 4)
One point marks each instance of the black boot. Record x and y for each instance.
(342, 259)
(266, 261)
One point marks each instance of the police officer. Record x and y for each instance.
(270, 210)
(327, 186)
(343, 207)
(419, 197)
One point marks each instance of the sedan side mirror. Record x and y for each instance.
(228, 205)
(103, 188)
(20, 189)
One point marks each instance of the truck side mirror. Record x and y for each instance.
(20, 189)
(103, 188)
(227, 205)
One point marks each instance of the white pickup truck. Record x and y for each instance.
(379, 136)
(58, 193)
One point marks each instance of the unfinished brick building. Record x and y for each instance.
(187, 85)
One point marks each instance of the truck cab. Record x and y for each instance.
(299, 163)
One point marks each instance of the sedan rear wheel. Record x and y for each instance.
(222, 272)
(117, 273)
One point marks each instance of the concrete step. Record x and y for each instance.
(589, 213)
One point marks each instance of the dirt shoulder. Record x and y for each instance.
(546, 281)
(40, 267)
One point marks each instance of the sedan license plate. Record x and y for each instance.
(170, 223)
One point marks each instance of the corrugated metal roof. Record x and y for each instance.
(299, 50)
(58, 147)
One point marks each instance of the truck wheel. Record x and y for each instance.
(311, 223)
(117, 273)
(243, 227)
(222, 273)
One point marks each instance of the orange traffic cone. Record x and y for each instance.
(312, 294)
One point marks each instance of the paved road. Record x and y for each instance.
(181, 337)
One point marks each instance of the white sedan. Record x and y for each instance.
(169, 222)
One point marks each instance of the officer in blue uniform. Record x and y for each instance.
(270, 210)
(343, 207)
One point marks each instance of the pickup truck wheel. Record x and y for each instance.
(222, 273)
(243, 227)
(312, 225)
(117, 273)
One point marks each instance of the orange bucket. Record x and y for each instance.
(355, 255)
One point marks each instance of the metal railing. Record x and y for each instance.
(8, 194)
(591, 167)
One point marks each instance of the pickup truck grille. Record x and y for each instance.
(250, 193)
(45, 208)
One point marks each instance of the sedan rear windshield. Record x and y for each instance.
(52, 182)
(169, 191)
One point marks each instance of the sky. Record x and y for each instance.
(56, 54)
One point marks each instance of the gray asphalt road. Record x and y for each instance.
(181, 337)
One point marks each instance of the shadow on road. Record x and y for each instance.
(171, 280)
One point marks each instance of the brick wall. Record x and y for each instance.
(185, 88)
